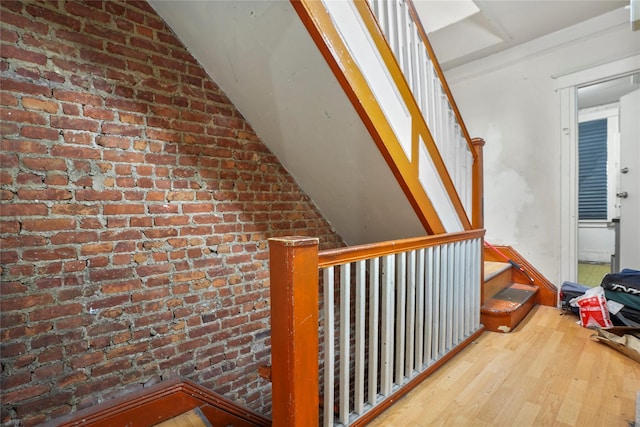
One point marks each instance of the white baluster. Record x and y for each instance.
(345, 339)
(411, 315)
(444, 299)
(329, 346)
(436, 282)
(401, 306)
(361, 275)
(420, 304)
(386, 360)
(374, 307)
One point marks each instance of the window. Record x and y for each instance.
(592, 168)
(598, 161)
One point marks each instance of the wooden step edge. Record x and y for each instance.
(503, 315)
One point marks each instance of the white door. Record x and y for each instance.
(630, 181)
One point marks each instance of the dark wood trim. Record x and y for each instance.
(160, 402)
(337, 256)
(548, 292)
(393, 398)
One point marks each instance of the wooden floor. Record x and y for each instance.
(547, 372)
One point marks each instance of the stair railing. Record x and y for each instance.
(439, 180)
(390, 313)
(406, 37)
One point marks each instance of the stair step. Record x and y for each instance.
(494, 268)
(508, 307)
(497, 276)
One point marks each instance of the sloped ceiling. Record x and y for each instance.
(265, 61)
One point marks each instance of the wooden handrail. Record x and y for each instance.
(445, 85)
(338, 256)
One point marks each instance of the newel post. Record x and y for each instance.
(477, 217)
(294, 331)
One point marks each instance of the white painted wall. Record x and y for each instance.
(597, 241)
(510, 100)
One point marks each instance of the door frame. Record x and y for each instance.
(566, 86)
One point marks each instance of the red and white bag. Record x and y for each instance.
(593, 309)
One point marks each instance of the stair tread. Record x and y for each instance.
(192, 418)
(510, 298)
(494, 268)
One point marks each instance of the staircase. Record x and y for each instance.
(508, 297)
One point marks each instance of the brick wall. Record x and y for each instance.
(136, 205)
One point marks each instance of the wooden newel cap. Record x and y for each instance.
(294, 241)
(478, 141)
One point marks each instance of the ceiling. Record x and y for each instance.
(462, 31)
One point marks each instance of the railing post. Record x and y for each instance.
(478, 185)
(294, 331)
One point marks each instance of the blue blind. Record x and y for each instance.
(592, 153)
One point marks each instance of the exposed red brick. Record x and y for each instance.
(20, 303)
(39, 133)
(21, 21)
(114, 142)
(136, 155)
(13, 52)
(23, 209)
(39, 104)
(62, 122)
(25, 88)
(74, 209)
(93, 195)
(87, 12)
(22, 116)
(45, 194)
(25, 393)
(58, 18)
(86, 360)
(49, 255)
(118, 129)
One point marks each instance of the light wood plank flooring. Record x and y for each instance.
(547, 372)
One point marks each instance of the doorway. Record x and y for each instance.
(600, 80)
(598, 177)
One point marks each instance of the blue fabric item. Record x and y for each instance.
(627, 281)
(568, 291)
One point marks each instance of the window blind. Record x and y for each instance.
(592, 170)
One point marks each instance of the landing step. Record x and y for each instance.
(507, 308)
